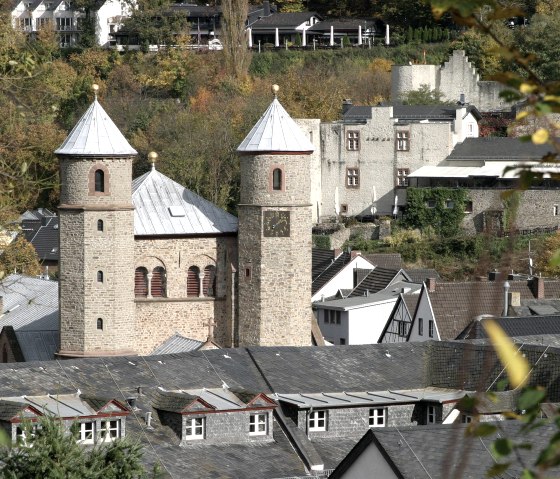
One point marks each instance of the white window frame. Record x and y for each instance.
(378, 417)
(87, 435)
(195, 428)
(352, 140)
(402, 176)
(403, 140)
(110, 430)
(318, 420)
(431, 328)
(258, 424)
(431, 414)
(352, 177)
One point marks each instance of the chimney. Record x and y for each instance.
(353, 254)
(266, 8)
(494, 275)
(431, 284)
(346, 105)
(462, 99)
(506, 298)
(131, 402)
(514, 298)
(537, 287)
(337, 252)
(148, 419)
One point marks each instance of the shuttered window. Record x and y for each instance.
(141, 282)
(193, 285)
(209, 281)
(158, 286)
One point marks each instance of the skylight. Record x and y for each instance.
(176, 211)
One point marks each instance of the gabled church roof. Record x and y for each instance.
(276, 131)
(164, 207)
(95, 134)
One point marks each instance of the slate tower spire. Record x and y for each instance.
(275, 232)
(97, 315)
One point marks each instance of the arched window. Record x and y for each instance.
(209, 281)
(99, 225)
(193, 284)
(99, 181)
(277, 179)
(100, 324)
(100, 276)
(158, 284)
(141, 282)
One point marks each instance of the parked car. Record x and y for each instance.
(215, 44)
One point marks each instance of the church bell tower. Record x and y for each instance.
(97, 312)
(275, 232)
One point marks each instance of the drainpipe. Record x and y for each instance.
(506, 291)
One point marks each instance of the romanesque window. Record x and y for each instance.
(100, 276)
(403, 141)
(158, 284)
(99, 181)
(257, 424)
(141, 282)
(193, 283)
(352, 140)
(209, 282)
(318, 420)
(194, 428)
(99, 225)
(378, 417)
(277, 179)
(100, 324)
(352, 177)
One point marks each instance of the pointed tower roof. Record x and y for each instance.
(276, 132)
(95, 134)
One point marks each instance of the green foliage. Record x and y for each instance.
(19, 256)
(424, 96)
(442, 209)
(511, 201)
(322, 242)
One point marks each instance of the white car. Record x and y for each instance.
(215, 44)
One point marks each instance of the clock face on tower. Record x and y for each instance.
(276, 224)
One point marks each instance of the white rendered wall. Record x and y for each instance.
(366, 324)
(424, 311)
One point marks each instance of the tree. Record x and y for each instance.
(237, 54)
(424, 96)
(20, 256)
(51, 453)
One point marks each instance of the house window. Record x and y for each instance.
(352, 177)
(342, 341)
(110, 430)
(402, 176)
(334, 316)
(402, 328)
(100, 276)
(470, 129)
(352, 140)
(378, 417)
(403, 141)
(555, 210)
(209, 281)
(431, 415)
(99, 181)
(344, 209)
(318, 421)
(277, 179)
(158, 284)
(431, 203)
(87, 432)
(194, 428)
(449, 204)
(99, 225)
(99, 324)
(468, 206)
(257, 424)
(248, 272)
(466, 419)
(431, 328)
(141, 282)
(420, 326)
(193, 284)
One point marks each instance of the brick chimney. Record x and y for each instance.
(353, 254)
(337, 252)
(431, 284)
(537, 287)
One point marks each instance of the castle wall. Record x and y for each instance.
(313, 129)
(405, 78)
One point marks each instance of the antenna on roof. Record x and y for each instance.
(95, 88)
(152, 158)
(275, 89)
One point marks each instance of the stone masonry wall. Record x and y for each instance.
(313, 130)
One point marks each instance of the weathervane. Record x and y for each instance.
(152, 158)
(275, 89)
(95, 88)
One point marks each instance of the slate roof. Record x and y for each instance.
(276, 132)
(30, 306)
(520, 326)
(323, 272)
(357, 113)
(95, 134)
(164, 207)
(430, 112)
(385, 260)
(445, 451)
(456, 304)
(283, 20)
(495, 148)
(172, 401)
(376, 280)
(341, 25)
(41, 230)
(420, 275)
(10, 409)
(177, 344)
(411, 301)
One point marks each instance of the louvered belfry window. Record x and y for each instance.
(209, 281)
(158, 283)
(193, 285)
(141, 282)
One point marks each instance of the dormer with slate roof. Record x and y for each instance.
(275, 232)
(216, 416)
(96, 238)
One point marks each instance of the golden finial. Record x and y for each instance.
(152, 158)
(275, 89)
(95, 88)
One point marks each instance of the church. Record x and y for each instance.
(145, 259)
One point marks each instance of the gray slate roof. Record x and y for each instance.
(323, 270)
(375, 281)
(177, 344)
(519, 326)
(494, 148)
(95, 134)
(282, 20)
(41, 230)
(164, 207)
(30, 306)
(276, 131)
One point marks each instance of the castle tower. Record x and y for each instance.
(275, 233)
(96, 239)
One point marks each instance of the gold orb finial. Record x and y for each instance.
(95, 88)
(152, 157)
(275, 89)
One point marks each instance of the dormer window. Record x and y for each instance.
(194, 428)
(257, 424)
(87, 432)
(110, 430)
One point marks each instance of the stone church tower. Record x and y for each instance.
(274, 240)
(97, 315)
